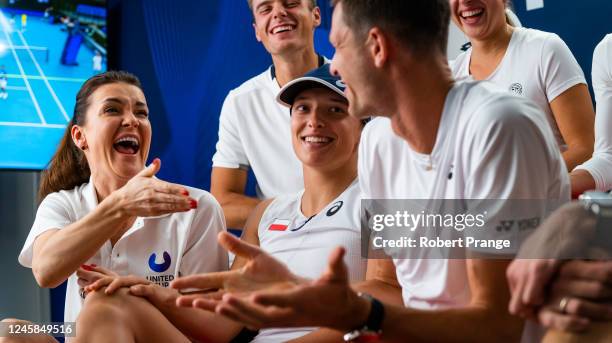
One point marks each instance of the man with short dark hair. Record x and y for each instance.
(253, 128)
(440, 139)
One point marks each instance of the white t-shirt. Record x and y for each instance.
(600, 165)
(254, 131)
(304, 244)
(157, 248)
(496, 146)
(537, 65)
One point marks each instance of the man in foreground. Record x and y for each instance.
(440, 140)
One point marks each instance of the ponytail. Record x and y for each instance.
(68, 168)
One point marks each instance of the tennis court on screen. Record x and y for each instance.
(41, 90)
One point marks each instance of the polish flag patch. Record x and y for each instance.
(279, 225)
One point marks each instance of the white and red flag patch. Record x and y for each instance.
(279, 225)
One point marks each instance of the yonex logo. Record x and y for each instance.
(335, 208)
(161, 267)
(516, 88)
(505, 225)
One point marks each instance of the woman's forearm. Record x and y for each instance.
(58, 253)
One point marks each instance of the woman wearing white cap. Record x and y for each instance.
(529, 63)
(299, 229)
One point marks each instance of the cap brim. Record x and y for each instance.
(291, 90)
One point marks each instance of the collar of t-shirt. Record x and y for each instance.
(301, 220)
(322, 61)
(516, 32)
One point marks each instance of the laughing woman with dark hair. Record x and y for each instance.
(104, 213)
(300, 229)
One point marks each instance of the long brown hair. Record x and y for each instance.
(68, 168)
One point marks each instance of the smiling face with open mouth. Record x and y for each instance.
(285, 24)
(323, 134)
(116, 135)
(479, 19)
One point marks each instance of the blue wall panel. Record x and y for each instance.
(189, 55)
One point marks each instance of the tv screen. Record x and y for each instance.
(47, 50)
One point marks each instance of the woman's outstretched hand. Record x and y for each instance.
(146, 196)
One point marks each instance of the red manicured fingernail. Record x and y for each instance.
(184, 192)
(93, 265)
(193, 203)
(86, 267)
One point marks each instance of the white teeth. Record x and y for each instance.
(316, 139)
(467, 14)
(127, 139)
(282, 28)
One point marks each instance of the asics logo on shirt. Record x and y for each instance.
(161, 267)
(516, 88)
(335, 208)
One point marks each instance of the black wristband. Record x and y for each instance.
(371, 330)
(376, 316)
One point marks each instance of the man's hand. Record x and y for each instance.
(564, 235)
(261, 271)
(528, 280)
(328, 301)
(582, 293)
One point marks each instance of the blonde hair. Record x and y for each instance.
(512, 19)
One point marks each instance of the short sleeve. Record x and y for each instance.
(513, 165)
(600, 165)
(203, 254)
(53, 213)
(559, 69)
(230, 151)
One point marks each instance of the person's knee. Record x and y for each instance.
(100, 306)
(13, 339)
